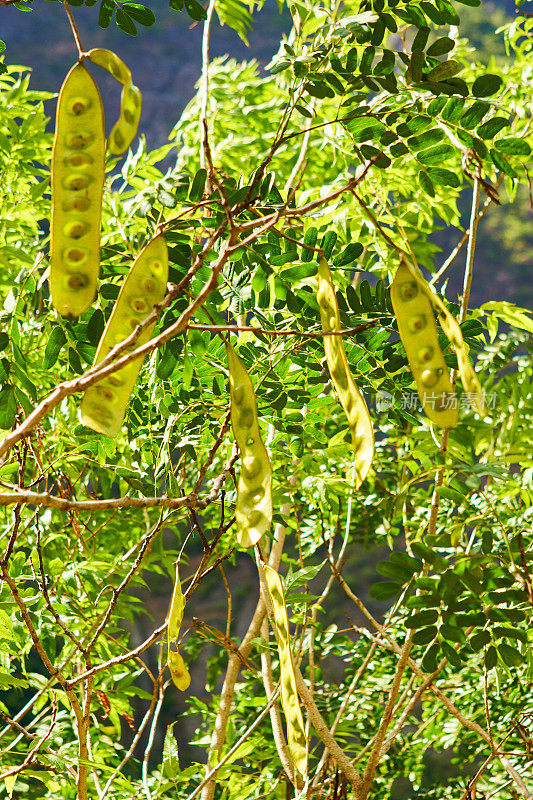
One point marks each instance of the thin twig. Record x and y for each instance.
(75, 32)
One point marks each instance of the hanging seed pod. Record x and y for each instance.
(413, 303)
(254, 491)
(125, 128)
(349, 395)
(469, 379)
(296, 738)
(103, 405)
(77, 177)
(176, 664)
(413, 309)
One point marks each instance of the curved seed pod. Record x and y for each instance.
(78, 167)
(176, 664)
(125, 128)
(413, 308)
(103, 405)
(289, 696)
(254, 491)
(471, 384)
(349, 395)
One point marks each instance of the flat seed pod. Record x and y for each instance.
(178, 669)
(413, 307)
(254, 491)
(78, 167)
(103, 405)
(125, 128)
(296, 738)
(181, 676)
(349, 395)
(471, 384)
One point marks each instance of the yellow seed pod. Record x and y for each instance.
(254, 491)
(349, 395)
(125, 128)
(176, 664)
(471, 384)
(178, 671)
(296, 737)
(413, 307)
(78, 167)
(103, 405)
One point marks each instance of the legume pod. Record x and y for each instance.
(77, 176)
(178, 669)
(413, 308)
(289, 696)
(103, 405)
(254, 491)
(125, 128)
(471, 384)
(413, 302)
(349, 395)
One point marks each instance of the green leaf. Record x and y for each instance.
(429, 662)
(492, 127)
(444, 177)
(444, 71)
(105, 15)
(426, 139)
(500, 632)
(198, 185)
(441, 46)
(328, 243)
(53, 347)
(502, 164)
(5, 369)
(422, 619)
(366, 296)
(319, 90)
(425, 635)
(508, 312)
(491, 657)
(310, 238)
(417, 62)
(195, 10)
(479, 640)
(510, 655)
(350, 253)
(141, 14)
(279, 67)
(424, 552)
(95, 327)
(384, 590)
(513, 146)
(435, 155)
(4, 341)
(367, 60)
(171, 764)
(473, 115)
(125, 22)
(420, 40)
(8, 407)
(486, 85)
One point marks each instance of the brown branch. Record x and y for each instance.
(74, 28)
(289, 332)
